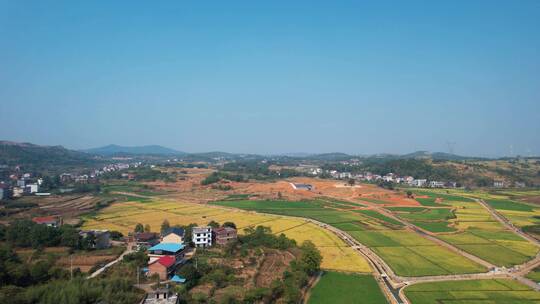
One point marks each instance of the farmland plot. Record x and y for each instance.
(336, 254)
(472, 291)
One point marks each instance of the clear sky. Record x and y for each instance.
(273, 76)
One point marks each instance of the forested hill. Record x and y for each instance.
(35, 157)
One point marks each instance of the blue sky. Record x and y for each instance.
(273, 76)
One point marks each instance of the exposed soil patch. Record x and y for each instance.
(272, 268)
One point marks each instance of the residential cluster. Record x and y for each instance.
(168, 249)
(390, 177)
(18, 183)
(94, 176)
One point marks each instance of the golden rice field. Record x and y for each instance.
(124, 216)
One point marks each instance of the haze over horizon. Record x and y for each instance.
(269, 78)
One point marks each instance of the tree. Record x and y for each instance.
(139, 227)
(147, 228)
(351, 182)
(165, 226)
(229, 224)
(311, 258)
(191, 274)
(116, 235)
(409, 194)
(213, 224)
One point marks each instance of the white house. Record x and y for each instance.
(436, 184)
(419, 182)
(202, 236)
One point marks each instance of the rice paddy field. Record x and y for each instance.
(496, 291)
(470, 227)
(406, 252)
(336, 287)
(534, 275)
(124, 216)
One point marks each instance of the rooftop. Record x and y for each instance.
(170, 247)
(44, 219)
(202, 229)
(166, 261)
(175, 230)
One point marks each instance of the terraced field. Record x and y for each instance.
(405, 251)
(123, 217)
(472, 292)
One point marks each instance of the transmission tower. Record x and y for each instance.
(451, 145)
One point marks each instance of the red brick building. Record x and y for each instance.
(224, 235)
(162, 266)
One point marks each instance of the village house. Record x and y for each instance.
(499, 184)
(101, 238)
(161, 296)
(166, 249)
(143, 240)
(419, 182)
(173, 235)
(50, 221)
(162, 267)
(202, 236)
(224, 235)
(436, 184)
(31, 188)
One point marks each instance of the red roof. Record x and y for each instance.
(44, 219)
(167, 261)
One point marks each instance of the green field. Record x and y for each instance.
(336, 287)
(382, 217)
(435, 227)
(472, 292)
(405, 251)
(407, 209)
(534, 275)
(434, 214)
(501, 248)
(501, 204)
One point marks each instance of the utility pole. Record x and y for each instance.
(138, 276)
(71, 266)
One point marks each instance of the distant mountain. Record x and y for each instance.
(36, 157)
(136, 150)
(334, 156)
(437, 156)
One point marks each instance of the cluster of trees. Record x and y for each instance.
(142, 174)
(15, 273)
(40, 281)
(287, 289)
(219, 176)
(258, 170)
(25, 233)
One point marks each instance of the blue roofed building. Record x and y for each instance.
(178, 279)
(162, 249)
